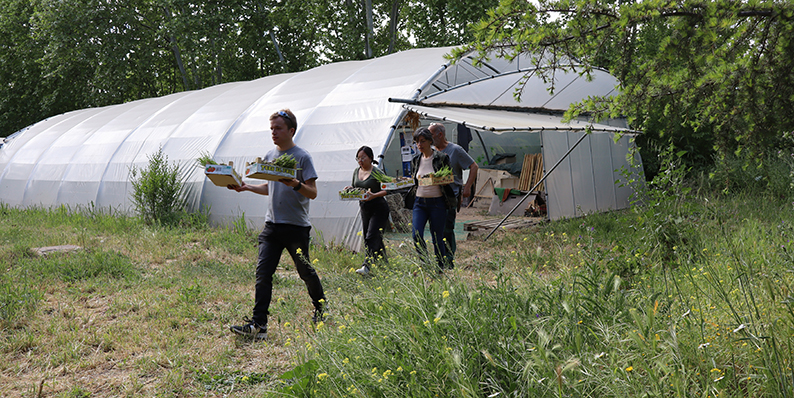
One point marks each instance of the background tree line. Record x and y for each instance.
(710, 78)
(58, 56)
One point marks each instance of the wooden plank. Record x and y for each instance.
(490, 224)
(488, 194)
(531, 171)
(526, 173)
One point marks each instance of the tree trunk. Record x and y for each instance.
(369, 34)
(395, 10)
(177, 54)
(278, 50)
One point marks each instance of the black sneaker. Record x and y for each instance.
(319, 315)
(251, 330)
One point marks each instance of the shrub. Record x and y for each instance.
(772, 175)
(159, 191)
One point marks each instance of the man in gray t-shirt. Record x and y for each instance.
(459, 160)
(287, 226)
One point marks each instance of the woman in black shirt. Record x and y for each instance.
(374, 209)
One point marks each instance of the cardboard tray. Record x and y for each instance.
(266, 171)
(433, 180)
(391, 186)
(222, 175)
(351, 196)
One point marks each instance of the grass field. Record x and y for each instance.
(688, 298)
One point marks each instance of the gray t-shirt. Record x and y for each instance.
(286, 205)
(460, 160)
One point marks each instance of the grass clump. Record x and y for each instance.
(16, 301)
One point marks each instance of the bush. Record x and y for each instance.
(773, 175)
(159, 191)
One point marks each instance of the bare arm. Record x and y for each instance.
(472, 175)
(260, 189)
(372, 195)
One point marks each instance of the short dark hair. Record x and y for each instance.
(367, 151)
(424, 133)
(287, 116)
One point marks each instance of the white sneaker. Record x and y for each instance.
(364, 270)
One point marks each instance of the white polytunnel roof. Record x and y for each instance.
(499, 121)
(84, 157)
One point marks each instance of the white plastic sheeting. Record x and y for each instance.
(84, 157)
(499, 121)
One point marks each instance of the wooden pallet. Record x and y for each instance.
(510, 223)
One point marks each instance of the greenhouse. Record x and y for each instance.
(84, 157)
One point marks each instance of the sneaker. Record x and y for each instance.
(251, 330)
(363, 271)
(319, 315)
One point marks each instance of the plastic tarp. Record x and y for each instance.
(84, 157)
(585, 180)
(500, 121)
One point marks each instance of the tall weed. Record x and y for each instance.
(159, 191)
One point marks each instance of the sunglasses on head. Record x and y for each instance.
(285, 115)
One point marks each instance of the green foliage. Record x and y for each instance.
(225, 382)
(380, 176)
(159, 192)
(16, 301)
(709, 314)
(772, 176)
(80, 266)
(204, 159)
(61, 56)
(707, 76)
(298, 381)
(76, 392)
(286, 160)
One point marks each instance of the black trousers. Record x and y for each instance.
(272, 242)
(375, 219)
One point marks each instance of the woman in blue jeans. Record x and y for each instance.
(431, 202)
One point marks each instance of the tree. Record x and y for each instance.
(57, 56)
(19, 71)
(717, 72)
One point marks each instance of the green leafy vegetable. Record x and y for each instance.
(443, 172)
(381, 177)
(286, 161)
(205, 159)
(352, 191)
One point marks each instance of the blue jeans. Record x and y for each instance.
(433, 210)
